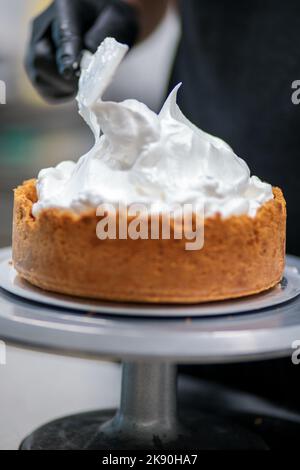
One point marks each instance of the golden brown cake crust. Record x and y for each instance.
(60, 252)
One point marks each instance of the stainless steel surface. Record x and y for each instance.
(148, 405)
(285, 291)
(263, 334)
(148, 383)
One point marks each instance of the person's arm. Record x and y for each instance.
(151, 13)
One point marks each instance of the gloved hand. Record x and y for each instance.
(64, 30)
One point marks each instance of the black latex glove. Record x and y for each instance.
(63, 31)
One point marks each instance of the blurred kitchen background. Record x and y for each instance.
(34, 135)
(36, 387)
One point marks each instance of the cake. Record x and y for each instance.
(158, 161)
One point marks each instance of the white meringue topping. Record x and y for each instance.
(141, 157)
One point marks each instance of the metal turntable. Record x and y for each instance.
(150, 341)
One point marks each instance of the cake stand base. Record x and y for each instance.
(260, 327)
(147, 420)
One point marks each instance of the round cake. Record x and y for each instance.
(60, 252)
(161, 162)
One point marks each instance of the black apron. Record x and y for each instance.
(237, 62)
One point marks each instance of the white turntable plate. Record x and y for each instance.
(287, 290)
(175, 334)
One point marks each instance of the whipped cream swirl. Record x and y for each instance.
(141, 157)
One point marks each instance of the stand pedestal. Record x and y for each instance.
(147, 420)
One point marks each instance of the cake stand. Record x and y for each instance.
(150, 349)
